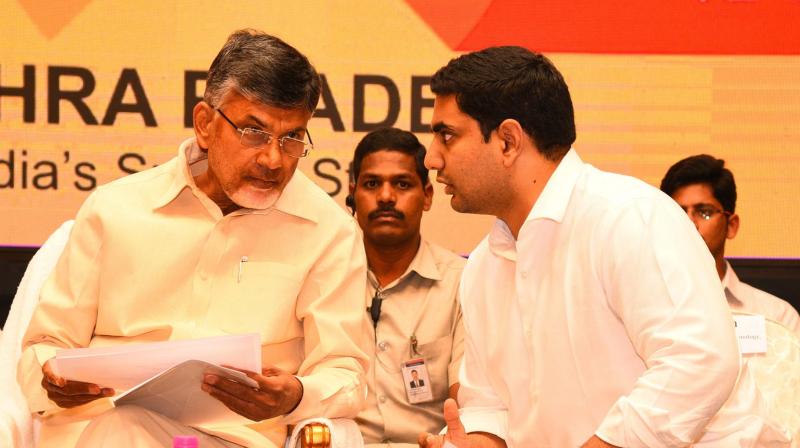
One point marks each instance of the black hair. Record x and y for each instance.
(702, 169)
(263, 68)
(391, 139)
(499, 83)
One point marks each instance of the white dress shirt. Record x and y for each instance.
(605, 316)
(743, 297)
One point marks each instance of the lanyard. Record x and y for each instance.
(379, 296)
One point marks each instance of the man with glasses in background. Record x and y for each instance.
(225, 238)
(706, 190)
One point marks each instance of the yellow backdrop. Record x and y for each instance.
(90, 90)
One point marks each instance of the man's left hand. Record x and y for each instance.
(278, 393)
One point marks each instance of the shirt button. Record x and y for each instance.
(524, 274)
(383, 345)
(382, 398)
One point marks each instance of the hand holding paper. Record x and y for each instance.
(126, 366)
(68, 393)
(278, 393)
(164, 377)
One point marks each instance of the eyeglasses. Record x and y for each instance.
(252, 137)
(704, 212)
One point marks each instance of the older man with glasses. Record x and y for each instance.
(227, 237)
(706, 190)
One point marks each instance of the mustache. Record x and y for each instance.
(384, 210)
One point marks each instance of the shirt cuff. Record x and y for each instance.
(317, 389)
(29, 377)
(638, 426)
(489, 420)
(45, 352)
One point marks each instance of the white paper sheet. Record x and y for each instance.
(176, 394)
(124, 366)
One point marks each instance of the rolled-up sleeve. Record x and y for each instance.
(481, 409)
(331, 307)
(663, 286)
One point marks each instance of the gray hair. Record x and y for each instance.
(263, 68)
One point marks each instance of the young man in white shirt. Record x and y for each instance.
(592, 313)
(706, 190)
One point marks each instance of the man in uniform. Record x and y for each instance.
(414, 316)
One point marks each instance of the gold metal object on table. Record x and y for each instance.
(315, 435)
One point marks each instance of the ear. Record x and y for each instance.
(428, 192)
(512, 137)
(733, 226)
(350, 199)
(202, 117)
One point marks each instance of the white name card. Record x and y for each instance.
(752, 334)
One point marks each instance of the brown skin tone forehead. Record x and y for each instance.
(403, 166)
(700, 204)
(456, 119)
(694, 190)
(397, 175)
(251, 121)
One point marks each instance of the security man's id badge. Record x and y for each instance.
(417, 381)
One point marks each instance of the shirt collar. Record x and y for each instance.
(296, 198)
(423, 264)
(192, 161)
(730, 282)
(190, 158)
(553, 201)
(551, 204)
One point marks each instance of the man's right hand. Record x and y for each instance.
(457, 435)
(67, 393)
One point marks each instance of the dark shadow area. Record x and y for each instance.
(780, 277)
(13, 261)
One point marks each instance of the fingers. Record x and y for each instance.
(50, 375)
(276, 395)
(74, 388)
(246, 372)
(428, 440)
(231, 387)
(452, 419)
(236, 404)
(75, 393)
(422, 440)
(268, 371)
(272, 371)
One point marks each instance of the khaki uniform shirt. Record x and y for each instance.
(152, 258)
(422, 303)
(743, 297)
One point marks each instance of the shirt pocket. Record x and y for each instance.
(437, 356)
(263, 299)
